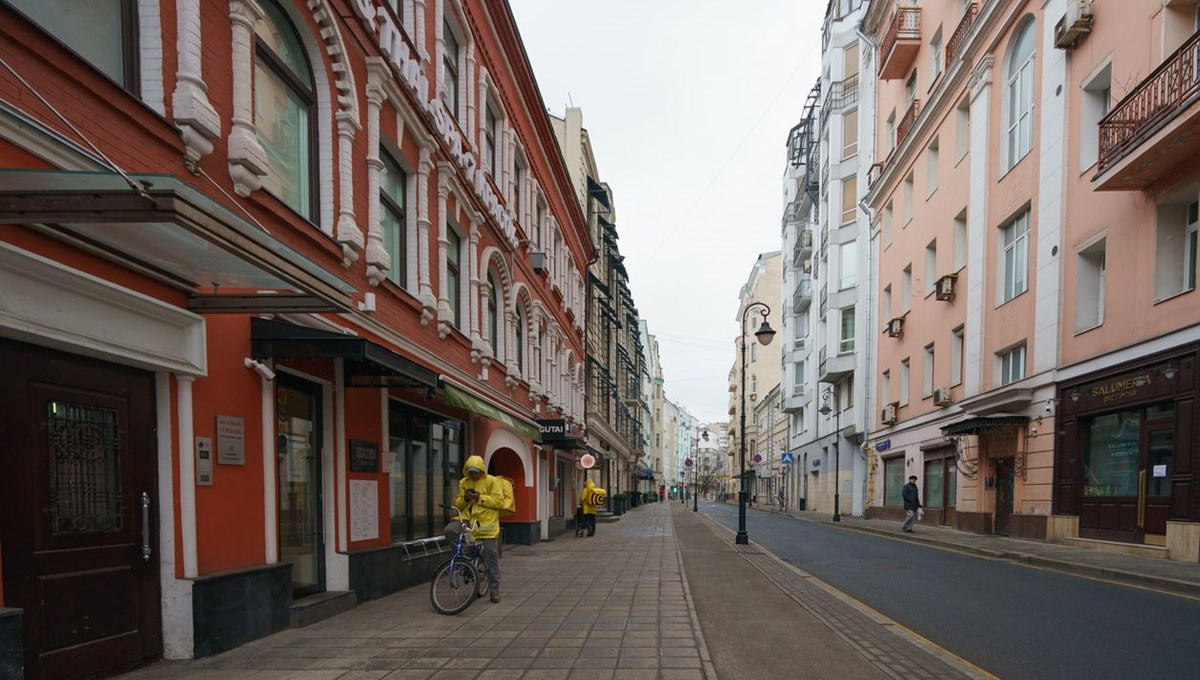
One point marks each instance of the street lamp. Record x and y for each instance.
(696, 473)
(830, 395)
(765, 335)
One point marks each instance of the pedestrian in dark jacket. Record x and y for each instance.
(912, 503)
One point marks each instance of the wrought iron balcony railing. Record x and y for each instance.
(906, 123)
(905, 26)
(960, 33)
(1169, 89)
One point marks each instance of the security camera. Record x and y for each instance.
(260, 368)
(1049, 407)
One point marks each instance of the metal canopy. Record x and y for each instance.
(982, 423)
(368, 364)
(175, 232)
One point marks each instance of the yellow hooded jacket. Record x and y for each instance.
(591, 497)
(484, 512)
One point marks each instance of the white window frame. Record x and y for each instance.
(1013, 269)
(1019, 97)
(1090, 275)
(957, 347)
(927, 370)
(905, 377)
(1011, 365)
(846, 343)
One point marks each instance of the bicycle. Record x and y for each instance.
(464, 577)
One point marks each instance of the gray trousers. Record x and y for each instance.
(491, 557)
(910, 516)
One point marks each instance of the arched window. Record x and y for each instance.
(520, 340)
(1019, 72)
(284, 109)
(491, 323)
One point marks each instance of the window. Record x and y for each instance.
(962, 129)
(887, 223)
(1089, 286)
(906, 289)
(518, 184)
(937, 55)
(520, 339)
(1012, 365)
(850, 61)
(392, 185)
(847, 266)
(1014, 246)
(960, 240)
(490, 126)
(927, 373)
(798, 377)
(885, 388)
(491, 322)
(956, 356)
(910, 88)
(427, 453)
(1020, 94)
(849, 199)
(889, 136)
(904, 376)
(893, 482)
(1095, 104)
(850, 134)
(846, 343)
(453, 280)
(450, 67)
(908, 198)
(932, 161)
(284, 107)
(1175, 244)
(887, 303)
(753, 352)
(102, 32)
(931, 267)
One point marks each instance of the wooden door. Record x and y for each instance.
(1005, 482)
(78, 502)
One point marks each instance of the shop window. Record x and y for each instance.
(102, 32)
(1110, 460)
(1090, 274)
(393, 184)
(284, 107)
(426, 454)
(893, 482)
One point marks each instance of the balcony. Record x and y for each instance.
(803, 247)
(833, 369)
(906, 123)
(960, 34)
(802, 296)
(900, 44)
(842, 94)
(1155, 129)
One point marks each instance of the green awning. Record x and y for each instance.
(467, 401)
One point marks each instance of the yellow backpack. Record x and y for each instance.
(510, 501)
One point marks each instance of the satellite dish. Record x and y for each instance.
(588, 461)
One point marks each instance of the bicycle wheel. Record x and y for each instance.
(482, 584)
(453, 587)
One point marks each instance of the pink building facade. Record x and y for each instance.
(1035, 386)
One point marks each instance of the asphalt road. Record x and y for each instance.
(1011, 620)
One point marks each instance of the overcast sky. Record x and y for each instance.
(688, 104)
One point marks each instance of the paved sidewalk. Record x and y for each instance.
(1170, 575)
(647, 598)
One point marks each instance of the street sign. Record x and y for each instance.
(787, 458)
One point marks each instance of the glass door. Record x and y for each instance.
(298, 442)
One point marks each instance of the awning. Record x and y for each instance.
(980, 424)
(175, 232)
(643, 473)
(460, 398)
(367, 364)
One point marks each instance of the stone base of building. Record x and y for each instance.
(521, 533)
(1028, 526)
(974, 522)
(377, 572)
(557, 526)
(12, 665)
(234, 607)
(885, 513)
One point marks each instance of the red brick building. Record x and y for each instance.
(270, 270)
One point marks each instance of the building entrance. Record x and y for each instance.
(1128, 462)
(298, 449)
(78, 502)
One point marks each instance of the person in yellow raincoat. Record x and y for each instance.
(480, 498)
(591, 497)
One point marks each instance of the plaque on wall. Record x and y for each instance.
(231, 440)
(364, 510)
(364, 456)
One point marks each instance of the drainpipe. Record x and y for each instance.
(872, 256)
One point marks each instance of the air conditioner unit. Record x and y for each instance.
(945, 287)
(895, 327)
(941, 396)
(1076, 23)
(540, 264)
(888, 415)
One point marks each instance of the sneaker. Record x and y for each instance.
(495, 594)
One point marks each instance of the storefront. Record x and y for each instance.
(1127, 458)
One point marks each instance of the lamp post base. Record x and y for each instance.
(837, 513)
(742, 537)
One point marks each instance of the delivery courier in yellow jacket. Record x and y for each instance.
(591, 497)
(481, 498)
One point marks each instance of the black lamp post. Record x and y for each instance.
(696, 473)
(831, 395)
(765, 335)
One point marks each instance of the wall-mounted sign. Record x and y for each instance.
(231, 440)
(552, 430)
(883, 445)
(204, 461)
(364, 456)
